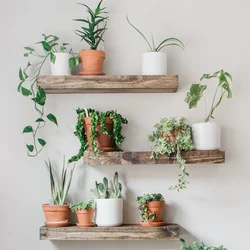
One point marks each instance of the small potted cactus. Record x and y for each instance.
(109, 203)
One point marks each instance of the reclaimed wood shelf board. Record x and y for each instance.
(108, 84)
(143, 158)
(126, 232)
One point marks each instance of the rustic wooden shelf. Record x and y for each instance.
(108, 84)
(126, 232)
(131, 158)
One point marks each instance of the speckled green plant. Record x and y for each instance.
(198, 246)
(81, 205)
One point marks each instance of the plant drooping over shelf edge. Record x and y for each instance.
(198, 246)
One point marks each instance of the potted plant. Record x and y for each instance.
(98, 131)
(199, 246)
(84, 212)
(154, 62)
(109, 203)
(206, 135)
(151, 207)
(57, 213)
(172, 136)
(92, 59)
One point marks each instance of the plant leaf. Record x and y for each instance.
(46, 46)
(28, 48)
(52, 118)
(21, 77)
(25, 91)
(30, 147)
(42, 142)
(39, 120)
(194, 95)
(171, 40)
(52, 58)
(27, 129)
(40, 96)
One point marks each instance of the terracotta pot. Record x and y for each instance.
(158, 207)
(104, 142)
(92, 62)
(85, 216)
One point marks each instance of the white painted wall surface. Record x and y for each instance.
(216, 205)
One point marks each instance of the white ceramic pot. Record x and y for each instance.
(206, 136)
(109, 212)
(61, 66)
(154, 63)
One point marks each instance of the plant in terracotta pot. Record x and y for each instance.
(172, 136)
(92, 33)
(154, 62)
(206, 135)
(84, 212)
(98, 131)
(109, 202)
(198, 246)
(151, 207)
(57, 213)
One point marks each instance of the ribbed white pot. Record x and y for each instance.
(206, 136)
(154, 63)
(61, 66)
(109, 212)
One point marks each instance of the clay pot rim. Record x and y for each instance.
(155, 203)
(81, 211)
(87, 120)
(91, 52)
(48, 207)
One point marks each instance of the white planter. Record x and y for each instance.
(61, 66)
(206, 136)
(154, 63)
(109, 212)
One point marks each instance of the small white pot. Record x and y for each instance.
(109, 212)
(61, 66)
(206, 136)
(154, 63)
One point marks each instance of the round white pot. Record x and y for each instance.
(206, 136)
(109, 212)
(61, 66)
(154, 63)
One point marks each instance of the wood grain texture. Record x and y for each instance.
(126, 232)
(143, 158)
(108, 84)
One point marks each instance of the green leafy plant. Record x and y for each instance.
(103, 191)
(171, 137)
(143, 200)
(198, 246)
(224, 88)
(59, 190)
(92, 34)
(81, 206)
(163, 44)
(96, 117)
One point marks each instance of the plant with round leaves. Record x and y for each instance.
(224, 88)
(198, 246)
(81, 206)
(172, 136)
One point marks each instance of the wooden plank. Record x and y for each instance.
(126, 232)
(108, 84)
(131, 158)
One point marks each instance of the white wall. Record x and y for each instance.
(216, 205)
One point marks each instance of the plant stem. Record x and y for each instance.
(212, 107)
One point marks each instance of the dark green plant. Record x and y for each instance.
(103, 191)
(171, 137)
(163, 44)
(96, 117)
(223, 88)
(81, 206)
(198, 246)
(143, 200)
(92, 34)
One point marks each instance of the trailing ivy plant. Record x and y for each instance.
(198, 246)
(81, 206)
(96, 117)
(224, 89)
(143, 200)
(171, 137)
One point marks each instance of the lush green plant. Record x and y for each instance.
(223, 88)
(172, 136)
(143, 200)
(199, 246)
(96, 117)
(163, 44)
(102, 190)
(92, 34)
(59, 190)
(81, 206)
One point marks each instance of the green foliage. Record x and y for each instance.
(91, 33)
(102, 190)
(59, 190)
(96, 117)
(81, 206)
(199, 246)
(163, 44)
(171, 137)
(223, 88)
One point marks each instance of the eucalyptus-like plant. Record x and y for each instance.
(166, 42)
(92, 34)
(199, 246)
(172, 136)
(81, 206)
(224, 89)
